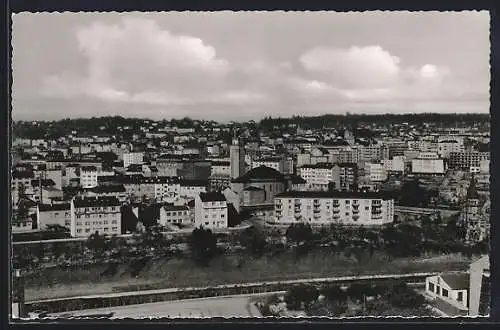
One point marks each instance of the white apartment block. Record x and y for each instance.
(91, 214)
(88, 176)
(130, 158)
(220, 168)
(396, 164)
(428, 163)
(343, 208)
(210, 210)
(375, 172)
(317, 176)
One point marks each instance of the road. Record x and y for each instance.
(229, 306)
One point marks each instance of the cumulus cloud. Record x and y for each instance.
(361, 67)
(137, 61)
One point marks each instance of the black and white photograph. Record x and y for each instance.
(251, 164)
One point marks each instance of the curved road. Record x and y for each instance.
(230, 306)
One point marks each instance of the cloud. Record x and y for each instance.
(136, 61)
(355, 67)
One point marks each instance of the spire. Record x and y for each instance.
(472, 191)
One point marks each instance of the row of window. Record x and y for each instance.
(79, 216)
(105, 229)
(215, 216)
(87, 223)
(174, 213)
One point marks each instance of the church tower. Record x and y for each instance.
(237, 158)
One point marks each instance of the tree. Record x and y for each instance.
(301, 295)
(253, 241)
(203, 245)
(299, 233)
(96, 243)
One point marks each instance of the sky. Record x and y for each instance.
(246, 65)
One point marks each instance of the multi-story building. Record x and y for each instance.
(95, 214)
(428, 163)
(445, 147)
(88, 176)
(375, 172)
(276, 163)
(318, 176)
(237, 159)
(130, 158)
(211, 210)
(220, 168)
(174, 214)
(55, 214)
(394, 165)
(464, 160)
(345, 177)
(344, 208)
(475, 215)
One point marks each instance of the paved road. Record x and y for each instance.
(230, 306)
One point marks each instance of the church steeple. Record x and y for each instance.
(472, 191)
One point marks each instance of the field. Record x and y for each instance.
(165, 273)
(233, 306)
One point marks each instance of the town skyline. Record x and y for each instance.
(243, 66)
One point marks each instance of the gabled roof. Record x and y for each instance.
(456, 281)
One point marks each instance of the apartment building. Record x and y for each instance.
(446, 147)
(91, 214)
(211, 210)
(464, 160)
(343, 208)
(55, 214)
(88, 176)
(132, 158)
(174, 214)
(375, 172)
(428, 163)
(318, 176)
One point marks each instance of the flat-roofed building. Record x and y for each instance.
(211, 210)
(95, 214)
(55, 214)
(171, 214)
(333, 207)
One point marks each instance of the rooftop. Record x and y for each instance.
(456, 281)
(54, 207)
(96, 201)
(260, 173)
(212, 197)
(335, 194)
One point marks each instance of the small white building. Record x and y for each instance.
(174, 214)
(428, 163)
(375, 172)
(56, 214)
(211, 210)
(452, 289)
(276, 163)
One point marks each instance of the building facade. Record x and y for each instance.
(95, 214)
(343, 208)
(211, 210)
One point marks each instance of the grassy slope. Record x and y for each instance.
(52, 283)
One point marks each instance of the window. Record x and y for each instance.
(438, 290)
(79, 230)
(348, 202)
(222, 215)
(460, 296)
(445, 293)
(431, 287)
(87, 230)
(113, 221)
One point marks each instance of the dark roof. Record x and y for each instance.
(448, 141)
(252, 188)
(170, 207)
(108, 189)
(134, 168)
(295, 179)
(456, 281)
(261, 173)
(269, 159)
(212, 197)
(320, 166)
(193, 183)
(43, 183)
(220, 163)
(88, 168)
(54, 207)
(335, 194)
(22, 174)
(338, 143)
(96, 201)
